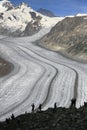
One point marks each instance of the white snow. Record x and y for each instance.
(2, 7)
(81, 14)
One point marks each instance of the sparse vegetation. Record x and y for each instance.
(52, 119)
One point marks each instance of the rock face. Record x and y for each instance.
(46, 12)
(69, 34)
(8, 32)
(33, 27)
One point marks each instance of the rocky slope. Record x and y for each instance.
(69, 35)
(52, 119)
(46, 12)
(5, 67)
(22, 20)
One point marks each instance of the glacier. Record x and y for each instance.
(40, 76)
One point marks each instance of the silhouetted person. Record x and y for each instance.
(25, 112)
(12, 116)
(40, 107)
(33, 107)
(55, 105)
(85, 104)
(73, 102)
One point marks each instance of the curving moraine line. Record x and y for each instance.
(51, 83)
(76, 79)
(53, 78)
(81, 74)
(33, 86)
(28, 97)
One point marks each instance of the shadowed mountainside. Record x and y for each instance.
(69, 35)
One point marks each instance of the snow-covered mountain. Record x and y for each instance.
(22, 20)
(5, 5)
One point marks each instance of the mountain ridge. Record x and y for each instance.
(15, 19)
(69, 35)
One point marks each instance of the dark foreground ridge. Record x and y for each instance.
(51, 119)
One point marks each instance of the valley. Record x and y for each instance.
(39, 76)
(43, 60)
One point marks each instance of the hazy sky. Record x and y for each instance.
(59, 7)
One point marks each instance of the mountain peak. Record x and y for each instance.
(5, 5)
(4, 2)
(24, 4)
